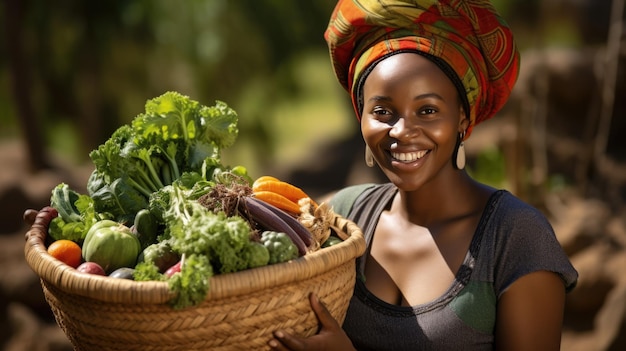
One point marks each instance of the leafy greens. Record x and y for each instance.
(208, 242)
(167, 158)
(174, 135)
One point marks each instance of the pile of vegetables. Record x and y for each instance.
(162, 206)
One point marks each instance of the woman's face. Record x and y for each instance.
(412, 117)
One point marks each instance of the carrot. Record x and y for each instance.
(278, 200)
(285, 189)
(265, 178)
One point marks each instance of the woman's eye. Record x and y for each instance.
(379, 111)
(427, 111)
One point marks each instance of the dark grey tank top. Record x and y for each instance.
(512, 239)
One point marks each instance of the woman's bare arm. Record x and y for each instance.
(530, 313)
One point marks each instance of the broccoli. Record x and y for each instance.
(256, 254)
(280, 246)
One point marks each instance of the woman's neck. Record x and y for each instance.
(454, 196)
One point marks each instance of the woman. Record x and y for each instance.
(451, 264)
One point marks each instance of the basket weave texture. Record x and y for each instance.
(240, 311)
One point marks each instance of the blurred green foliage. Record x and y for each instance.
(91, 65)
(490, 168)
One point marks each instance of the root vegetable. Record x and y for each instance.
(91, 268)
(278, 200)
(274, 185)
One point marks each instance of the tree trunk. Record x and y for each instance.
(21, 86)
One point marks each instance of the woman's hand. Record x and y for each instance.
(330, 336)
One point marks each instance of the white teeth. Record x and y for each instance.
(408, 156)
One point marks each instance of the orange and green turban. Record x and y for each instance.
(469, 36)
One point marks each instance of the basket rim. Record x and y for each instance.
(114, 290)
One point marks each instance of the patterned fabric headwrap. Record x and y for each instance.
(468, 36)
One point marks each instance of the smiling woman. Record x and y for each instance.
(451, 263)
(411, 113)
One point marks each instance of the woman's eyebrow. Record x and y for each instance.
(383, 98)
(428, 95)
(379, 98)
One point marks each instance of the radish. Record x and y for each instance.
(91, 268)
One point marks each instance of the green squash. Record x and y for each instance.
(112, 245)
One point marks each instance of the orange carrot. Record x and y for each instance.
(273, 184)
(285, 189)
(264, 178)
(278, 200)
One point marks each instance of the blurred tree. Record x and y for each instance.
(92, 64)
(21, 84)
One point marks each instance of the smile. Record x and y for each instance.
(408, 157)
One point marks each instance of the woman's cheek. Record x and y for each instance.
(371, 126)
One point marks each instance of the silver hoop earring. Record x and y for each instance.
(369, 157)
(460, 153)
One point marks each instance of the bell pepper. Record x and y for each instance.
(112, 245)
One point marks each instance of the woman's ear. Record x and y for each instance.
(463, 120)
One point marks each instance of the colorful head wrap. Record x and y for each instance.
(469, 36)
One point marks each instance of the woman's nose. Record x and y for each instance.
(403, 129)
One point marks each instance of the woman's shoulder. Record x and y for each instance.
(520, 239)
(508, 219)
(344, 199)
(506, 205)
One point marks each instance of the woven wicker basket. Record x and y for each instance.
(240, 312)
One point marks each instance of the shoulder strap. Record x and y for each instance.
(363, 204)
(344, 199)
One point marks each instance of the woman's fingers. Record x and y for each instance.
(322, 313)
(329, 337)
(286, 341)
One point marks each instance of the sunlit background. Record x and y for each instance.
(71, 72)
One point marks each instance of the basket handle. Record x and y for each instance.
(39, 220)
(29, 216)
